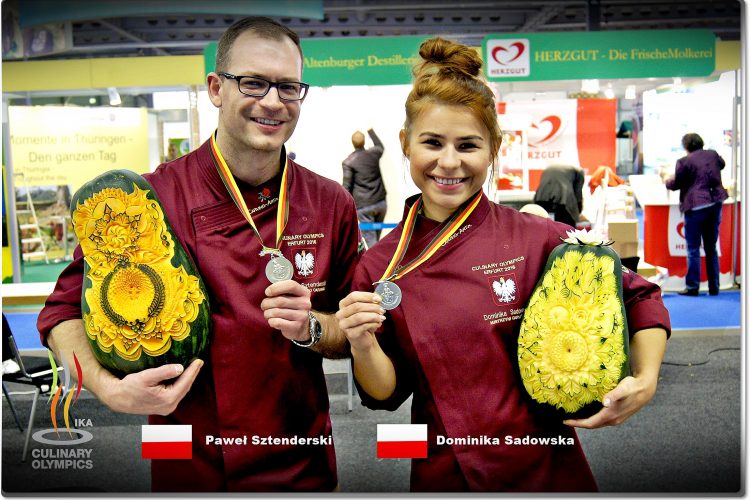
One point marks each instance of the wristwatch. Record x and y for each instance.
(316, 332)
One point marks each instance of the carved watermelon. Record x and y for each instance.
(144, 304)
(573, 345)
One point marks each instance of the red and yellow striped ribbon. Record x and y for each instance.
(282, 211)
(450, 226)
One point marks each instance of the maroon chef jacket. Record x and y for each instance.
(454, 347)
(255, 382)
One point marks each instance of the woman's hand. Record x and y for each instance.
(630, 395)
(359, 316)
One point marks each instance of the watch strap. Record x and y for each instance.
(316, 332)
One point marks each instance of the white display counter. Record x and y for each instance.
(24, 294)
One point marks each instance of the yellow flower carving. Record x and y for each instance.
(571, 347)
(138, 302)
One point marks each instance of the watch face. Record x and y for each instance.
(318, 329)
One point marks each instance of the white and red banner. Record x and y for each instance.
(167, 441)
(578, 132)
(676, 235)
(402, 440)
(670, 251)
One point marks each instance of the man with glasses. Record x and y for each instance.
(274, 270)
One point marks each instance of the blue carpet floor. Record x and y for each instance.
(704, 311)
(686, 313)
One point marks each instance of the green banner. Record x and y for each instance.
(354, 61)
(361, 61)
(599, 54)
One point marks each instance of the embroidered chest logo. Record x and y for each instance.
(504, 289)
(264, 195)
(304, 261)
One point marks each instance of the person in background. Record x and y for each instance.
(698, 178)
(560, 193)
(263, 373)
(172, 153)
(362, 178)
(440, 343)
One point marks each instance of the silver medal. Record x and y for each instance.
(391, 294)
(279, 269)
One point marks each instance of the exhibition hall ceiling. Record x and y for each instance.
(467, 21)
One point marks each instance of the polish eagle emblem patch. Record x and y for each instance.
(503, 289)
(304, 261)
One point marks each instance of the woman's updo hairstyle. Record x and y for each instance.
(449, 73)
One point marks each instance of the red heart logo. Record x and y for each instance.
(504, 53)
(554, 126)
(681, 229)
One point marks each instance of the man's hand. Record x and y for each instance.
(154, 391)
(286, 308)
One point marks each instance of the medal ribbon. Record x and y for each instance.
(282, 211)
(450, 226)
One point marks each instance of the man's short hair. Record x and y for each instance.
(264, 27)
(358, 140)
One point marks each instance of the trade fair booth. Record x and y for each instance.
(664, 123)
(359, 84)
(602, 134)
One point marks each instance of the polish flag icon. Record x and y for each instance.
(402, 440)
(167, 441)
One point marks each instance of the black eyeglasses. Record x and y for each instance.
(254, 86)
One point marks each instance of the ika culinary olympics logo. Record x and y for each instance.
(64, 397)
(508, 57)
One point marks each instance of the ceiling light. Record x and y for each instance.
(609, 93)
(630, 92)
(114, 96)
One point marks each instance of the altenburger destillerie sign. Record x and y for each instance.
(599, 54)
(352, 61)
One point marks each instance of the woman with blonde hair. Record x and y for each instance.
(450, 334)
